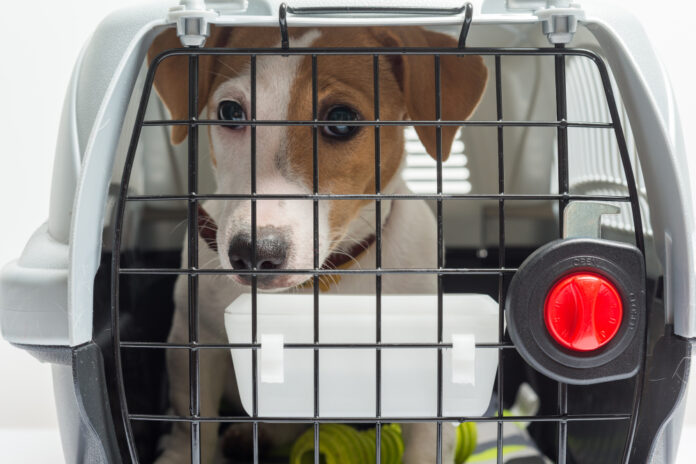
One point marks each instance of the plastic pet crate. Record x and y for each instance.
(564, 225)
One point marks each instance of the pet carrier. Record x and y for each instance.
(563, 262)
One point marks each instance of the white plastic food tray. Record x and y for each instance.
(347, 383)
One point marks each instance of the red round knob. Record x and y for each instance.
(583, 311)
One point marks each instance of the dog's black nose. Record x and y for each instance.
(271, 250)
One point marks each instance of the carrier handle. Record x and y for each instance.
(467, 10)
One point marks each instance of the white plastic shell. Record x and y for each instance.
(51, 302)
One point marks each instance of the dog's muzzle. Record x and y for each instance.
(271, 252)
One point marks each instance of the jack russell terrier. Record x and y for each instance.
(284, 165)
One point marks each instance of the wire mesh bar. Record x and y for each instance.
(372, 123)
(386, 51)
(315, 242)
(563, 187)
(320, 272)
(501, 251)
(255, 441)
(378, 259)
(561, 135)
(553, 418)
(254, 277)
(440, 251)
(192, 216)
(385, 196)
(562, 423)
(308, 346)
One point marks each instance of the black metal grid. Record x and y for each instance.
(192, 271)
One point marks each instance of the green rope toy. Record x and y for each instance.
(342, 444)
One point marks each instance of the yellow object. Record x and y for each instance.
(466, 442)
(343, 444)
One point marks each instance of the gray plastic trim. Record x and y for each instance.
(61, 355)
(650, 106)
(126, 35)
(33, 293)
(86, 424)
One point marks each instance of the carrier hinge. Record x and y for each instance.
(559, 20)
(192, 19)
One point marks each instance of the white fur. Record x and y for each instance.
(275, 76)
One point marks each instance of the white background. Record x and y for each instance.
(43, 38)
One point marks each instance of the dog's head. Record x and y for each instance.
(284, 154)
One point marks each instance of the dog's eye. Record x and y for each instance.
(230, 110)
(341, 113)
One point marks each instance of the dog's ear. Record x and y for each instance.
(171, 77)
(462, 82)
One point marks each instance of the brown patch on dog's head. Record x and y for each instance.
(462, 82)
(171, 77)
(406, 91)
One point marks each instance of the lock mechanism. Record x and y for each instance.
(576, 307)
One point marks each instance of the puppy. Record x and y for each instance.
(284, 165)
